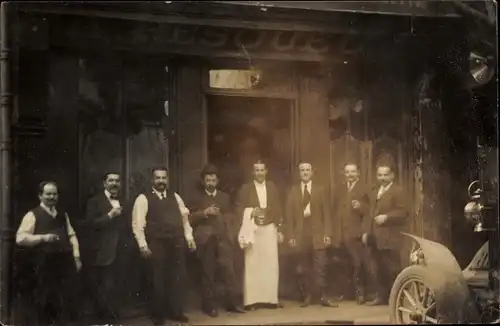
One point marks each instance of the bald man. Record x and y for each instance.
(308, 231)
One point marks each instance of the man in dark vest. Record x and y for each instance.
(211, 219)
(104, 222)
(52, 244)
(161, 227)
(382, 231)
(351, 206)
(308, 229)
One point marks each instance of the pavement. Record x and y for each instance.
(348, 313)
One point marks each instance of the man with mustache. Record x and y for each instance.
(161, 228)
(46, 233)
(104, 221)
(259, 206)
(308, 229)
(351, 206)
(211, 220)
(382, 231)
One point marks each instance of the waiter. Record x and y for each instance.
(308, 230)
(259, 206)
(210, 219)
(104, 220)
(52, 244)
(351, 206)
(382, 231)
(161, 228)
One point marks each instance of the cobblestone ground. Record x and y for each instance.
(348, 313)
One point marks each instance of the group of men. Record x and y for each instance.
(164, 225)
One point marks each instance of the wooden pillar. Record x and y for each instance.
(188, 92)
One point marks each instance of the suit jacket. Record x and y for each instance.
(247, 197)
(103, 232)
(320, 215)
(350, 220)
(204, 227)
(393, 203)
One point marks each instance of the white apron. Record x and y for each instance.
(260, 244)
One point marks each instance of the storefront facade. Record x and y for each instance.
(102, 90)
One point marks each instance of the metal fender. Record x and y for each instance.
(454, 303)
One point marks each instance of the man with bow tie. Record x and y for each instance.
(104, 222)
(211, 220)
(308, 228)
(46, 233)
(382, 231)
(161, 228)
(351, 206)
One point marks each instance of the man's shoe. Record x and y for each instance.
(211, 313)
(328, 303)
(158, 322)
(235, 309)
(360, 299)
(377, 301)
(307, 301)
(181, 318)
(251, 307)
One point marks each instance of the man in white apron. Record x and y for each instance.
(259, 205)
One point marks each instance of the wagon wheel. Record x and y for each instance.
(412, 299)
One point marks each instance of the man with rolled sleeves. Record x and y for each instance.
(351, 206)
(382, 231)
(210, 218)
(47, 234)
(161, 227)
(308, 230)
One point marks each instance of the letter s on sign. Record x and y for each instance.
(213, 37)
(316, 44)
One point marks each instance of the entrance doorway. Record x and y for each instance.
(242, 130)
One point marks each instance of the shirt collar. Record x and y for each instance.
(108, 195)
(257, 184)
(52, 212)
(352, 184)
(309, 185)
(211, 193)
(387, 187)
(159, 194)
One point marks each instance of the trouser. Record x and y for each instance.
(168, 266)
(359, 259)
(383, 267)
(215, 255)
(102, 287)
(55, 288)
(311, 265)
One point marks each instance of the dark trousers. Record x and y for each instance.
(168, 266)
(311, 265)
(383, 267)
(215, 255)
(102, 287)
(359, 259)
(54, 292)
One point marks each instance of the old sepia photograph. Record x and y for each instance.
(249, 163)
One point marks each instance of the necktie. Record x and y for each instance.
(306, 197)
(162, 196)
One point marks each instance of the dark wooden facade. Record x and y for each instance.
(92, 86)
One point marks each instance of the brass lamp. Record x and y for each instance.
(473, 209)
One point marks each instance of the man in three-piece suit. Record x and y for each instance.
(210, 214)
(104, 220)
(382, 231)
(259, 206)
(351, 206)
(308, 229)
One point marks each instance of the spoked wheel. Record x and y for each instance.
(412, 301)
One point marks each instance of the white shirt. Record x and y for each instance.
(351, 185)
(307, 210)
(211, 194)
(26, 238)
(383, 190)
(140, 211)
(115, 203)
(261, 193)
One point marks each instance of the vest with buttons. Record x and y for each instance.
(45, 224)
(164, 218)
